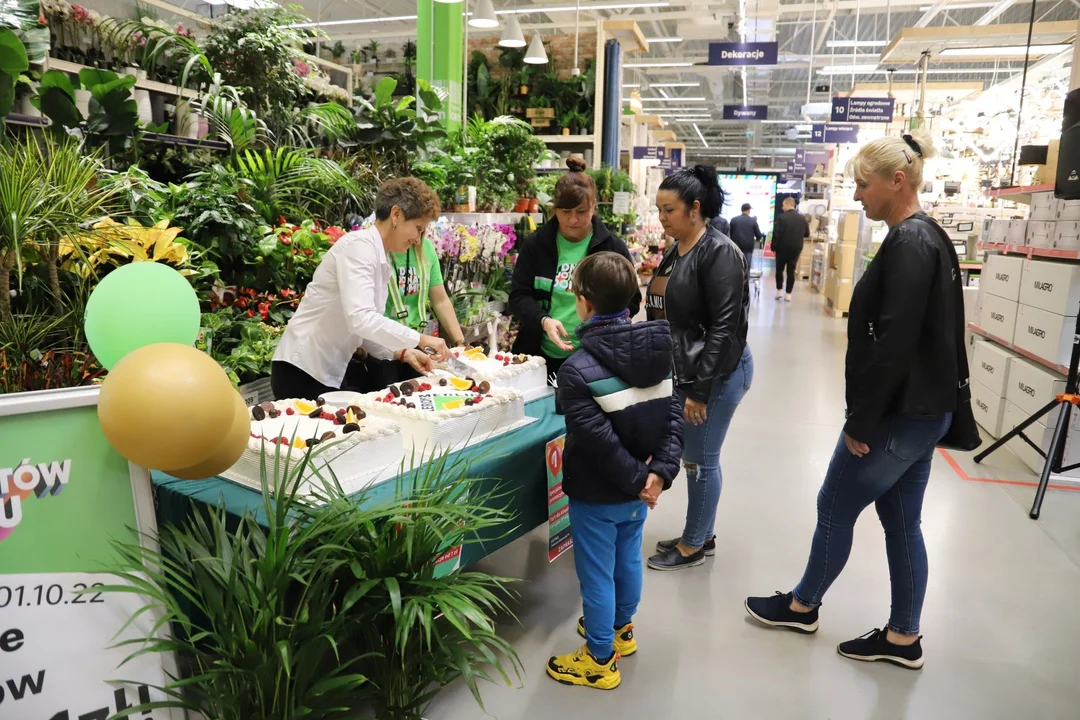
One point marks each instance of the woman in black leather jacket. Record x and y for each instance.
(903, 374)
(701, 289)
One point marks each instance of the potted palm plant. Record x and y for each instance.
(373, 53)
(338, 51)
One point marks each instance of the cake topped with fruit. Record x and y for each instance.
(356, 446)
(446, 411)
(527, 373)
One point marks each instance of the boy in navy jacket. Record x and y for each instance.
(623, 448)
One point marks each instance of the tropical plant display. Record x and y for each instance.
(328, 606)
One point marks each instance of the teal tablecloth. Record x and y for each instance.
(514, 462)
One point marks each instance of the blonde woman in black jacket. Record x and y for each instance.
(701, 289)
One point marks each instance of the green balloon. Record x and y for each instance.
(140, 304)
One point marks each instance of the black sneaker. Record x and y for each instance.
(875, 645)
(775, 611)
(665, 545)
(674, 560)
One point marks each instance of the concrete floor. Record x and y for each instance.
(1001, 636)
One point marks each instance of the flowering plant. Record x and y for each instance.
(268, 306)
(290, 253)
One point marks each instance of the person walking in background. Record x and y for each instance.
(623, 445)
(903, 367)
(746, 233)
(787, 242)
(541, 293)
(721, 225)
(702, 290)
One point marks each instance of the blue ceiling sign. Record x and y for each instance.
(871, 110)
(752, 53)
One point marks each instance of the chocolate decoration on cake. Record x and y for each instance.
(258, 413)
(316, 413)
(442, 382)
(406, 389)
(395, 391)
(355, 410)
(273, 412)
(350, 427)
(411, 406)
(312, 442)
(329, 434)
(484, 387)
(468, 401)
(320, 401)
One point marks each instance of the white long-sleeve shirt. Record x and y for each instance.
(343, 309)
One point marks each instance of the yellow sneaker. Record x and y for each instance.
(625, 644)
(581, 668)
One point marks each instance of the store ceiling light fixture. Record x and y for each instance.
(1005, 51)
(536, 54)
(856, 43)
(358, 21)
(664, 39)
(573, 8)
(484, 16)
(512, 36)
(700, 136)
(658, 64)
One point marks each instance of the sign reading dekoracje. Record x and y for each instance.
(751, 53)
(746, 112)
(871, 110)
(63, 500)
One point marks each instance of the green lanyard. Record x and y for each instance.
(400, 310)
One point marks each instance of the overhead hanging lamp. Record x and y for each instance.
(448, 2)
(512, 36)
(484, 15)
(536, 55)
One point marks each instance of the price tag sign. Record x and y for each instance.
(620, 203)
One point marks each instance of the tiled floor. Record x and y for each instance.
(1001, 632)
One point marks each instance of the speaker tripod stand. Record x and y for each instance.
(1056, 454)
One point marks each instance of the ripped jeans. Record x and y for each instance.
(701, 452)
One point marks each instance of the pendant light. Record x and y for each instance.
(536, 55)
(448, 2)
(484, 16)
(512, 36)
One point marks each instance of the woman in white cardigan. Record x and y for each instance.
(343, 307)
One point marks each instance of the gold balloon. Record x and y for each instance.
(166, 406)
(228, 451)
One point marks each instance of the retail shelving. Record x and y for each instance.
(161, 138)
(142, 84)
(568, 139)
(1030, 252)
(1020, 351)
(1019, 194)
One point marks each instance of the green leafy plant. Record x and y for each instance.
(331, 605)
(114, 114)
(574, 120)
(372, 50)
(398, 130)
(295, 184)
(13, 62)
(338, 51)
(56, 100)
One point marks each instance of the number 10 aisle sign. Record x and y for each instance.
(65, 495)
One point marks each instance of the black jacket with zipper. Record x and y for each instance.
(789, 233)
(706, 303)
(903, 336)
(534, 274)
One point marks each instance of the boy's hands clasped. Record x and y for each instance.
(654, 485)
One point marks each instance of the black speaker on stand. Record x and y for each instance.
(1067, 179)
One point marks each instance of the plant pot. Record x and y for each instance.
(157, 108)
(146, 111)
(566, 131)
(522, 205)
(523, 90)
(534, 206)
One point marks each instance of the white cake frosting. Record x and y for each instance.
(429, 428)
(352, 456)
(527, 373)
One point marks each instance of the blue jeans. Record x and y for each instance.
(607, 556)
(701, 452)
(892, 476)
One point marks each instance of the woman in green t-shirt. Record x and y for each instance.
(541, 296)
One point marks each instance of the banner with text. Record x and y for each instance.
(746, 112)
(831, 133)
(871, 110)
(751, 53)
(650, 152)
(559, 539)
(63, 499)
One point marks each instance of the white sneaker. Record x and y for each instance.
(779, 296)
(788, 298)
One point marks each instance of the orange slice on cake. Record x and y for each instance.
(304, 407)
(461, 384)
(476, 355)
(453, 405)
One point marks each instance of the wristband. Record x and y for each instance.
(399, 355)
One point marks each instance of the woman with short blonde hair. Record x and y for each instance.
(903, 368)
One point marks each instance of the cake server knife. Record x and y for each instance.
(456, 366)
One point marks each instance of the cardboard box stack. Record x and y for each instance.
(989, 383)
(1029, 388)
(840, 263)
(999, 291)
(1048, 304)
(1053, 223)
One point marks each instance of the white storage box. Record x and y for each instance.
(1001, 276)
(1043, 206)
(1017, 232)
(998, 317)
(1031, 386)
(991, 367)
(988, 407)
(1067, 235)
(1051, 286)
(1066, 210)
(999, 231)
(971, 304)
(1040, 233)
(1045, 334)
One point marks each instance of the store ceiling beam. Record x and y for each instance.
(825, 27)
(169, 7)
(929, 15)
(994, 12)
